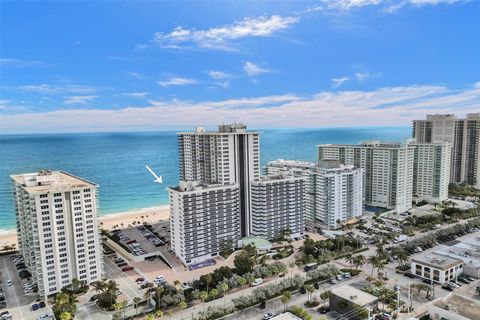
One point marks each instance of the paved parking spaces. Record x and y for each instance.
(125, 281)
(18, 303)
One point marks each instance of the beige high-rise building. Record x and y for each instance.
(463, 134)
(57, 229)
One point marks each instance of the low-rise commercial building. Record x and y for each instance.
(436, 267)
(203, 219)
(349, 300)
(454, 307)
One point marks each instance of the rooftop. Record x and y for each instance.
(188, 186)
(461, 305)
(286, 316)
(46, 180)
(354, 295)
(374, 144)
(436, 260)
(222, 129)
(293, 163)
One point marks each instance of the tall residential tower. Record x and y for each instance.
(57, 229)
(463, 134)
(227, 156)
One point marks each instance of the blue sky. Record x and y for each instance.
(108, 66)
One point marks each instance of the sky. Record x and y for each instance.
(138, 66)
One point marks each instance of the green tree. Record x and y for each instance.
(203, 296)
(136, 301)
(182, 306)
(223, 288)
(66, 316)
(213, 294)
(244, 263)
(325, 296)
(150, 317)
(358, 261)
(286, 297)
(310, 289)
(158, 314)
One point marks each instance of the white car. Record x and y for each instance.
(9, 282)
(257, 282)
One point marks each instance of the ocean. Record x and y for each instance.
(116, 161)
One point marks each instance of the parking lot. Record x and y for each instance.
(18, 303)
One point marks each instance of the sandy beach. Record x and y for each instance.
(108, 222)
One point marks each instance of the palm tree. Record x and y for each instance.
(208, 279)
(286, 297)
(203, 295)
(359, 261)
(136, 301)
(150, 317)
(213, 294)
(350, 259)
(242, 281)
(147, 295)
(182, 306)
(325, 296)
(373, 261)
(223, 287)
(402, 257)
(310, 289)
(158, 294)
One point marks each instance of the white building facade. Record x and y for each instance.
(278, 204)
(57, 229)
(436, 267)
(431, 171)
(203, 218)
(338, 195)
(463, 134)
(388, 171)
(227, 156)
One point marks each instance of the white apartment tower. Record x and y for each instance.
(463, 134)
(57, 229)
(227, 156)
(431, 171)
(202, 219)
(278, 204)
(333, 192)
(388, 171)
(338, 193)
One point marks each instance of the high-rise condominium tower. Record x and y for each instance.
(388, 170)
(203, 218)
(463, 134)
(57, 229)
(227, 156)
(278, 204)
(431, 171)
(333, 192)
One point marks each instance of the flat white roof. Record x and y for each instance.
(286, 316)
(45, 181)
(354, 295)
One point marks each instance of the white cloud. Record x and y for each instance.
(136, 75)
(220, 37)
(219, 75)
(18, 63)
(387, 5)
(381, 107)
(253, 69)
(365, 75)
(80, 100)
(337, 82)
(176, 81)
(53, 89)
(136, 94)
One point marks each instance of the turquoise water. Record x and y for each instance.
(116, 161)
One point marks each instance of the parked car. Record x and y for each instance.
(5, 315)
(268, 316)
(34, 307)
(127, 268)
(257, 282)
(316, 285)
(94, 297)
(323, 309)
(447, 287)
(333, 281)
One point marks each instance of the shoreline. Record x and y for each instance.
(120, 219)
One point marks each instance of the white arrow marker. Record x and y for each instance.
(157, 178)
